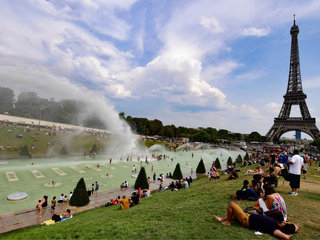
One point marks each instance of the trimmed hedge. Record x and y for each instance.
(229, 162)
(141, 180)
(217, 164)
(246, 157)
(239, 159)
(64, 150)
(201, 168)
(24, 151)
(94, 149)
(80, 196)
(177, 174)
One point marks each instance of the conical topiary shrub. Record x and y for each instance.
(24, 151)
(201, 168)
(80, 196)
(217, 164)
(142, 180)
(246, 157)
(229, 162)
(239, 159)
(94, 149)
(64, 150)
(177, 174)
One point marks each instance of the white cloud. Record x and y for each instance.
(256, 32)
(176, 79)
(273, 108)
(312, 83)
(211, 23)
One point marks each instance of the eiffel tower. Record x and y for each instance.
(294, 96)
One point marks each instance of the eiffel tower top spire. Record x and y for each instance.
(294, 81)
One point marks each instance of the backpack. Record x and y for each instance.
(285, 174)
(56, 218)
(253, 210)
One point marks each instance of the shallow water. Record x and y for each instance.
(36, 179)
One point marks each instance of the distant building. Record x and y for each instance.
(298, 135)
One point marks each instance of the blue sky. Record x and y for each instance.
(203, 63)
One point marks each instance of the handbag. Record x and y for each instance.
(275, 213)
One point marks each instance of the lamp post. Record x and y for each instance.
(40, 116)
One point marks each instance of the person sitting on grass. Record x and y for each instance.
(112, 202)
(171, 185)
(214, 176)
(271, 201)
(261, 223)
(240, 192)
(67, 214)
(233, 174)
(124, 203)
(249, 171)
(135, 199)
(270, 177)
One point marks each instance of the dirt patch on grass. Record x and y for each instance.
(309, 185)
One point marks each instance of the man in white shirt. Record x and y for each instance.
(295, 169)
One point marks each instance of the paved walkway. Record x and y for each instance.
(29, 217)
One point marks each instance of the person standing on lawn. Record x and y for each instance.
(295, 169)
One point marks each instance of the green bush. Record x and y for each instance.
(217, 164)
(142, 180)
(24, 151)
(177, 174)
(239, 159)
(229, 162)
(80, 196)
(201, 168)
(64, 150)
(246, 157)
(94, 149)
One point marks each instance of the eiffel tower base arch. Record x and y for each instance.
(280, 127)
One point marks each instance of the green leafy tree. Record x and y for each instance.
(202, 136)
(168, 131)
(246, 157)
(6, 100)
(141, 180)
(80, 196)
(239, 159)
(64, 150)
(155, 127)
(24, 151)
(122, 115)
(223, 134)
(201, 168)
(217, 163)
(94, 149)
(177, 174)
(229, 162)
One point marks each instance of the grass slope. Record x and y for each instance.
(76, 144)
(185, 214)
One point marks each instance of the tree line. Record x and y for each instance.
(30, 105)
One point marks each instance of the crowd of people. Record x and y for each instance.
(262, 190)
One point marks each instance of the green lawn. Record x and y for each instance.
(184, 214)
(76, 144)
